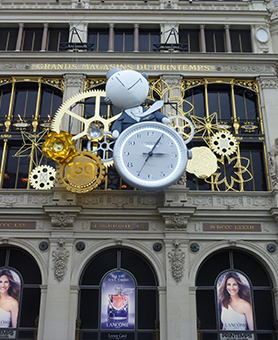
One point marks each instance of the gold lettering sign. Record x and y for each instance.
(232, 227)
(119, 226)
(17, 225)
(136, 67)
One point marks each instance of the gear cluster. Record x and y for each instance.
(223, 143)
(43, 177)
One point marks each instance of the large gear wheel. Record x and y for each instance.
(183, 126)
(104, 148)
(42, 177)
(223, 143)
(65, 109)
(82, 172)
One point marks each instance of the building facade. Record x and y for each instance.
(83, 261)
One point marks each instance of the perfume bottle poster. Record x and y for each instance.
(118, 301)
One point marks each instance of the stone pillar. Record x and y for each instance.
(42, 311)
(228, 38)
(19, 37)
(162, 313)
(203, 38)
(111, 38)
(136, 38)
(44, 37)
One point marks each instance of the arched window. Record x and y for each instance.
(25, 271)
(227, 268)
(118, 295)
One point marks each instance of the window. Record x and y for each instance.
(93, 296)
(215, 40)
(147, 39)
(191, 38)
(232, 106)
(123, 40)
(8, 37)
(99, 39)
(56, 36)
(210, 306)
(241, 41)
(32, 39)
(32, 107)
(25, 269)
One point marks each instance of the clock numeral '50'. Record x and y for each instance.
(79, 167)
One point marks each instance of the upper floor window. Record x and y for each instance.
(32, 39)
(241, 40)
(191, 37)
(99, 38)
(123, 40)
(147, 39)
(8, 37)
(56, 36)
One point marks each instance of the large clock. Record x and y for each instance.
(150, 155)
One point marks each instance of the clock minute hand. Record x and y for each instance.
(150, 153)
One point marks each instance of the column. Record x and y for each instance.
(228, 38)
(136, 38)
(19, 37)
(44, 37)
(111, 38)
(203, 38)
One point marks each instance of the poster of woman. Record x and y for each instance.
(9, 298)
(234, 301)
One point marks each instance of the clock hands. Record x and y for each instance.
(150, 153)
(156, 154)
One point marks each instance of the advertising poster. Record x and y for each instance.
(234, 305)
(118, 301)
(10, 286)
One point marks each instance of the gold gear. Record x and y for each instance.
(183, 126)
(223, 143)
(65, 109)
(82, 172)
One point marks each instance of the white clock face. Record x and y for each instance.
(150, 155)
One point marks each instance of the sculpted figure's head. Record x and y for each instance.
(126, 88)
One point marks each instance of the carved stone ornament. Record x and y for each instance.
(62, 221)
(60, 260)
(176, 259)
(273, 165)
(176, 221)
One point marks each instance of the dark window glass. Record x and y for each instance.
(26, 265)
(211, 269)
(264, 315)
(30, 304)
(246, 105)
(55, 37)
(146, 336)
(51, 99)
(98, 267)
(5, 95)
(147, 39)
(8, 37)
(206, 308)
(241, 41)
(196, 97)
(123, 41)
(146, 316)
(136, 265)
(191, 38)
(25, 100)
(215, 41)
(89, 308)
(219, 100)
(98, 37)
(32, 39)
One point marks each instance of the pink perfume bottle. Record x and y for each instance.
(118, 304)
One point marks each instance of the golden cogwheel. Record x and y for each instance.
(58, 146)
(82, 172)
(96, 119)
(223, 143)
(183, 126)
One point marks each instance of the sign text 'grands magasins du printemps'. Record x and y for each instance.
(135, 67)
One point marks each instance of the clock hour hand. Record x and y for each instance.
(150, 153)
(156, 153)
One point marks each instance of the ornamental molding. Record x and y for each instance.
(74, 80)
(246, 68)
(62, 221)
(268, 82)
(273, 164)
(177, 259)
(60, 260)
(62, 217)
(176, 218)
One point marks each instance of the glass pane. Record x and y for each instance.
(25, 100)
(5, 95)
(129, 41)
(57, 36)
(51, 99)
(206, 312)
(270, 336)
(139, 268)
(30, 307)
(264, 315)
(147, 309)
(8, 37)
(98, 267)
(32, 39)
(89, 336)
(251, 268)
(209, 336)
(146, 336)
(26, 265)
(144, 43)
(211, 268)
(118, 42)
(103, 41)
(89, 302)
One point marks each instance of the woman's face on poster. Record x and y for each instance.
(4, 284)
(232, 286)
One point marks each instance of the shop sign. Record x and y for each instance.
(232, 227)
(118, 301)
(119, 226)
(17, 225)
(7, 334)
(236, 335)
